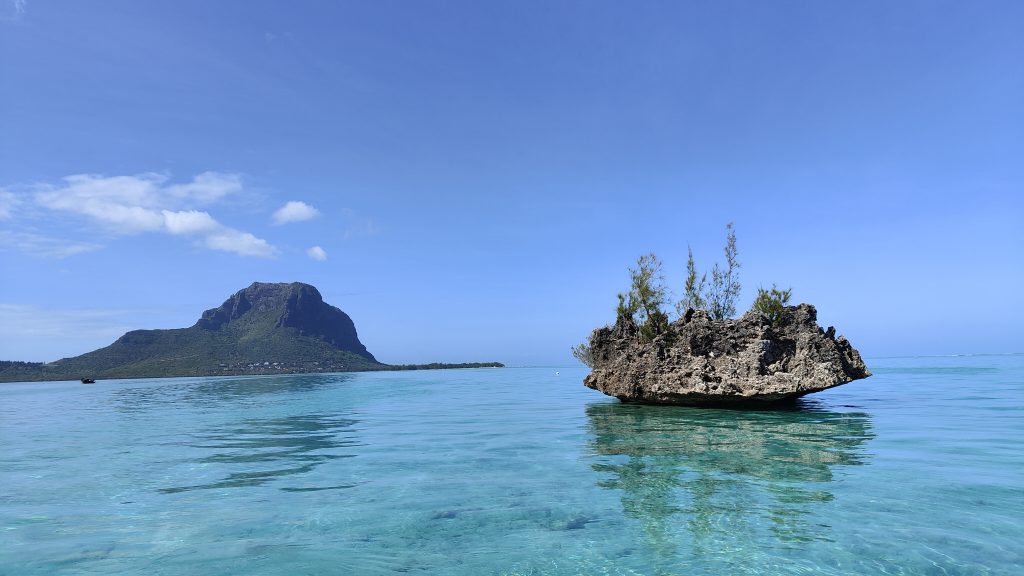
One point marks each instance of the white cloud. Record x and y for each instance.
(125, 204)
(7, 203)
(190, 222)
(317, 253)
(295, 211)
(39, 245)
(138, 190)
(216, 236)
(241, 243)
(207, 187)
(147, 203)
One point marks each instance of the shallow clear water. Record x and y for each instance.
(917, 470)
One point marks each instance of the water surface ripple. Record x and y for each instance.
(918, 470)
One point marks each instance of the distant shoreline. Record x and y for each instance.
(15, 372)
(967, 355)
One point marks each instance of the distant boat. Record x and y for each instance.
(88, 381)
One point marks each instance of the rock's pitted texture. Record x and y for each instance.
(701, 361)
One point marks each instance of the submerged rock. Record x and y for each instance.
(700, 361)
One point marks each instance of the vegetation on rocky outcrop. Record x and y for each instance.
(772, 302)
(773, 352)
(648, 294)
(644, 304)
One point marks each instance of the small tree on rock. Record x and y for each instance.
(647, 295)
(725, 284)
(693, 296)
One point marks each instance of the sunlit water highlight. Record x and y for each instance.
(918, 470)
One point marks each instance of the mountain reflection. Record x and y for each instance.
(281, 431)
(202, 391)
(256, 451)
(719, 474)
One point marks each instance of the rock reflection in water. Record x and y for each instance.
(718, 474)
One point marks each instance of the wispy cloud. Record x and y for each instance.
(12, 10)
(356, 225)
(295, 211)
(317, 253)
(45, 246)
(148, 203)
(131, 204)
(37, 321)
(7, 203)
(207, 187)
(27, 329)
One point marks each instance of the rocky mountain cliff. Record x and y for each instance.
(700, 361)
(294, 305)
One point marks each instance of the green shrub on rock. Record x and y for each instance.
(772, 302)
(582, 353)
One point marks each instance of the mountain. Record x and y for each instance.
(265, 328)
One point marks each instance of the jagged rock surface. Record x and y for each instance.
(700, 361)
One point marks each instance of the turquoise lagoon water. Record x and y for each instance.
(917, 470)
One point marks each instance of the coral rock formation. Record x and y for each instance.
(700, 361)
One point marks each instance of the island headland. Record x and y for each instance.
(262, 329)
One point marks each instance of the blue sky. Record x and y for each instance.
(471, 180)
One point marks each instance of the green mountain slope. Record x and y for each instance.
(265, 328)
